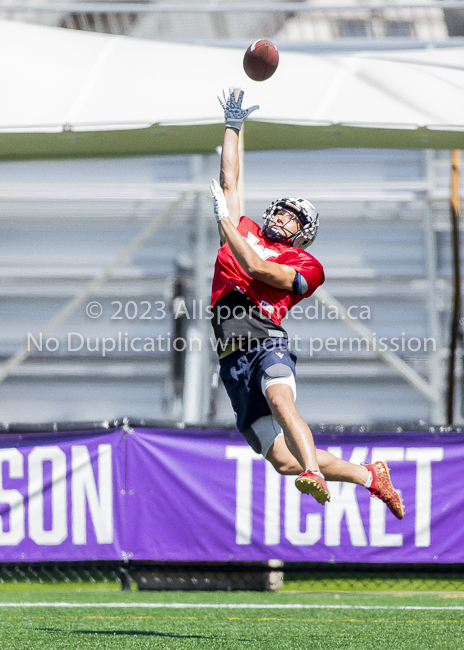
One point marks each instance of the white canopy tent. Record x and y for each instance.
(76, 94)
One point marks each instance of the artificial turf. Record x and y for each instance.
(117, 620)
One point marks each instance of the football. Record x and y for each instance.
(261, 60)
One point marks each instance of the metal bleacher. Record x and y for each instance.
(384, 242)
(63, 222)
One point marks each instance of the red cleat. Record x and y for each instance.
(310, 483)
(382, 488)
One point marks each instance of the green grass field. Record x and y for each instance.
(92, 618)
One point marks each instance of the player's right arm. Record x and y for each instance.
(234, 116)
(230, 170)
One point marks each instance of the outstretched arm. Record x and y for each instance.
(227, 204)
(234, 116)
(230, 170)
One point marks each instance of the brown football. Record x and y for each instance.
(261, 60)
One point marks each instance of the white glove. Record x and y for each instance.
(219, 201)
(234, 114)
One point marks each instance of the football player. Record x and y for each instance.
(259, 275)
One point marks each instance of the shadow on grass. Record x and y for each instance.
(136, 633)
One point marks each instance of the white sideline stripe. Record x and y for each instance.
(232, 606)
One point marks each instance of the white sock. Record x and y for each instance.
(368, 483)
(318, 473)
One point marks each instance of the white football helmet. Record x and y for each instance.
(300, 209)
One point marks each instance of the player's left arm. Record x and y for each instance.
(280, 276)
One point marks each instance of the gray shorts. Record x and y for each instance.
(263, 432)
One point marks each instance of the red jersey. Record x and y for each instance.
(273, 302)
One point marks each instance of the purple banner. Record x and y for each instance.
(195, 495)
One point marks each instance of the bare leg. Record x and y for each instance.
(332, 467)
(297, 434)
(335, 469)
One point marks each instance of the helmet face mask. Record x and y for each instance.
(300, 209)
(274, 230)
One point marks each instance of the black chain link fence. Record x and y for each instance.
(374, 577)
(65, 573)
(253, 576)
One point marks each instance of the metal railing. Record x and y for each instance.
(208, 8)
(286, 23)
